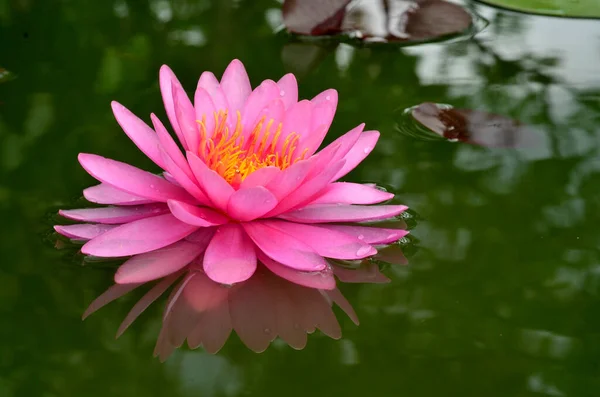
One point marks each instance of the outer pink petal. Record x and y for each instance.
(250, 203)
(336, 150)
(131, 179)
(323, 213)
(236, 85)
(197, 216)
(138, 131)
(114, 215)
(257, 101)
(284, 248)
(138, 237)
(205, 110)
(114, 292)
(366, 273)
(308, 190)
(216, 188)
(351, 193)
(202, 236)
(370, 235)
(252, 313)
(167, 79)
(83, 231)
(146, 301)
(186, 118)
(325, 242)
(107, 194)
(230, 257)
(359, 151)
(169, 146)
(157, 264)
(288, 90)
(181, 177)
(321, 280)
(260, 177)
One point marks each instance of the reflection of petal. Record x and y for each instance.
(259, 309)
(366, 273)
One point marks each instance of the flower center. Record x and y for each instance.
(235, 156)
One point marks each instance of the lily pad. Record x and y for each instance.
(473, 126)
(563, 8)
(403, 21)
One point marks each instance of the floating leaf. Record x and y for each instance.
(564, 8)
(377, 20)
(472, 126)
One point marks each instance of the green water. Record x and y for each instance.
(501, 299)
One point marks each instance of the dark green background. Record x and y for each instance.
(502, 299)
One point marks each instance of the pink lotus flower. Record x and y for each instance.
(249, 204)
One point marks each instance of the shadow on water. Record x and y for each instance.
(502, 296)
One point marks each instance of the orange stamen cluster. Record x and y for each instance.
(234, 157)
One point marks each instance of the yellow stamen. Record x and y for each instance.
(234, 158)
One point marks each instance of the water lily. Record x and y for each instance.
(247, 202)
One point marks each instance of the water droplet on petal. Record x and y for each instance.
(151, 186)
(282, 92)
(361, 237)
(367, 149)
(328, 98)
(267, 330)
(267, 201)
(363, 250)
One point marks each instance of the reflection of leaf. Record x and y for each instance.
(110, 73)
(565, 8)
(473, 126)
(379, 20)
(6, 75)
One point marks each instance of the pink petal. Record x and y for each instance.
(146, 301)
(366, 273)
(258, 100)
(181, 177)
(321, 280)
(205, 110)
(186, 118)
(351, 193)
(236, 85)
(284, 248)
(209, 82)
(252, 313)
(329, 96)
(169, 146)
(322, 213)
(336, 150)
(337, 297)
(297, 119)
(202, 236)
(250, 203)
(288, 90)
(370, 235)
(217, 188)
(307, 191)
(324, 241)
(168, 80)
(84, 231)
(114, 215)
(260, 177)
(138, 131)
(114, 292)
(289, 179)
(230, 257)
(138, 237)
(157, 264)
(131, 179)
(107, 194)
(197, 216)
(359, 152)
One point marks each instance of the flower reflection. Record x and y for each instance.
(251, 219)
